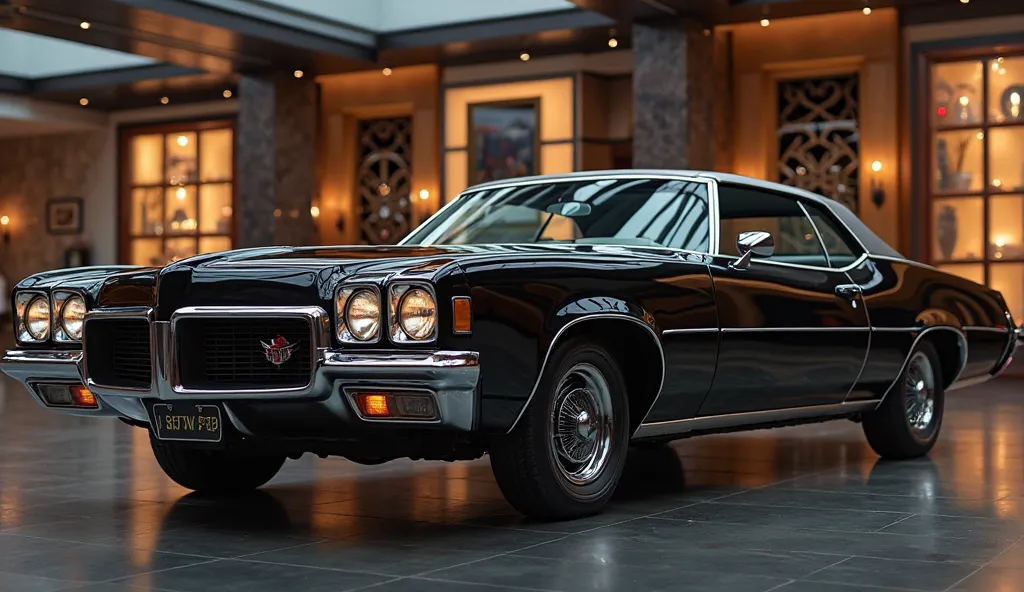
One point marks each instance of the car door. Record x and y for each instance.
(794, 329)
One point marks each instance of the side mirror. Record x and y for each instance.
(749, 244)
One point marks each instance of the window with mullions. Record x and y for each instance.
(976, 179)
(177, 191)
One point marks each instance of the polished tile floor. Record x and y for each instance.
(83, 506)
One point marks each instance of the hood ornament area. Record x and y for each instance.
(278, 351)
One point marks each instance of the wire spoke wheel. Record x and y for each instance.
(919, 395)
(581, 424)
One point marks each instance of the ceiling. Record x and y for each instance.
(133, 52)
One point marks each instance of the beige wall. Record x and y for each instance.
(822, 45)
(347, 98)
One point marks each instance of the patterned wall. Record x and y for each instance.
(33, 170)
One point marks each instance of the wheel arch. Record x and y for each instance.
(643, 382)
(950, 343)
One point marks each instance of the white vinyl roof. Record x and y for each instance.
(26, 55)
(385, 16)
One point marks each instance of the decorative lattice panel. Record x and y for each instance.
(385, 154)
(819, 136)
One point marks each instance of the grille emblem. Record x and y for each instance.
(278, 351)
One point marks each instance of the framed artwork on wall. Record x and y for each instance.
(504, 140)
(64, 215)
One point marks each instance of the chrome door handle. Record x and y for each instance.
(848, 291)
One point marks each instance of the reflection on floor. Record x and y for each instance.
(83, 506)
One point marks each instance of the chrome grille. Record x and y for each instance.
(117, 352)
(225, 354)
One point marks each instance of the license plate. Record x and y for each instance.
(187, 421)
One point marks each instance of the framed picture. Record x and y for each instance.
(64, 215)
(504, 140)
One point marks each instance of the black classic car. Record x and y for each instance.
(549, 322)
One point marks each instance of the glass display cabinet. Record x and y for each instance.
(976, 192)
(177, 191)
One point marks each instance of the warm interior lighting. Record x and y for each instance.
(298, 73)
(4, 220)
(374, 404)
(180, 193)
(462, 311)
(424, 194)
(164, 100)
(613, 43)
(524, 56)
(227, 94)
(867, 10)
(83, 397)
(997, 183)
(84, 24)
(314, 211)
(964, 100)
(386, 71)
(765, 22)
(965, 1)
(876, 166)
(981, 135)
(83, 101)
(182, 141)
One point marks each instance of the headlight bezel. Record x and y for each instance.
(59, 300)
(342, 298)
(396, 295)
(25, 334)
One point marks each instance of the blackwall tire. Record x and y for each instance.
(907, 423)
(564, 458)
(215, 471)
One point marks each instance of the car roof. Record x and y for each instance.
(871, 242)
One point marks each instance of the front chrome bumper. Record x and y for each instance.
(452, 376)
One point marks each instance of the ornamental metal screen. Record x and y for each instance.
(385, 154)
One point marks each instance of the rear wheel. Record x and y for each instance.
(215, 471)
(565, 456)
(907, 423)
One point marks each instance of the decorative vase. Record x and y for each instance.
(961, 181)
(947, 231)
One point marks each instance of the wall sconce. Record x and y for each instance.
(877, 186)
(4, 221)
(424, 194)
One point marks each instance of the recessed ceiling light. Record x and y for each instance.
(83, 101)
(965, 1)
(227, 94)
(164, 100)
(765, 22)
(524, 56)
(298, 73)
(386, 71)
(84, 24)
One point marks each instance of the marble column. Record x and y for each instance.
(275, 160)
(681, 72)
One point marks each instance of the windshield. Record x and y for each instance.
(652, 212)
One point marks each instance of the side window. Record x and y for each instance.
(842, 249)
(743, 209)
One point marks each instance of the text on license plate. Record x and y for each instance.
(187, 421)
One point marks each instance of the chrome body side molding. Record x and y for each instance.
(713, 422)
(963, 356)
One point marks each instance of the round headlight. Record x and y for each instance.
(417, 314)
(37, 319)
(72, 316)
(363, 315)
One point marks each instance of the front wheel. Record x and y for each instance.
(565, 456)
(215, 471)
(907, 423)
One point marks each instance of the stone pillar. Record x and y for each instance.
(275, 161)
(678, 75)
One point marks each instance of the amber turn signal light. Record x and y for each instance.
(462, 313)
(83, 397)
(373, 404)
